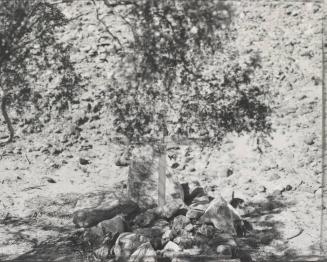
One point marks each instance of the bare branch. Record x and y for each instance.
(119, 3)
(105, 25)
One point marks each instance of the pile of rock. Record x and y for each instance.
(195, 227)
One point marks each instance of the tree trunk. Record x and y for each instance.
(162, 178)
(7, 119)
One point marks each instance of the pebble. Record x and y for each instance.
(84, 161)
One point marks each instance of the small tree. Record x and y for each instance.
(180, 75)
(28, 47)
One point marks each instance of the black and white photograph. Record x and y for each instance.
(162, 131)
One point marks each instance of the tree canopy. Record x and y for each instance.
(181, 76)
(28, 48)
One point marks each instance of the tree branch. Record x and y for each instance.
(105, 25)
(119, 3)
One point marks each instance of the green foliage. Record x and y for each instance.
(29, 50)
(180, 75)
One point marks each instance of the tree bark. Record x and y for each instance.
(7, 119)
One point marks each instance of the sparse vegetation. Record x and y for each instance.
(28, 50)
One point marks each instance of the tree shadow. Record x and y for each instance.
(55, 250)
(55, 245)
(49, 234)
(266, 241)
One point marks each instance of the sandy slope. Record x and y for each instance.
(281, 186)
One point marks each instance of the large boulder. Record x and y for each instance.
(89, 217)
(143, 185)
(96, 235)
(222, 215)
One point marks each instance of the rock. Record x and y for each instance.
(122, 162)
(288, 188)
(200, 205)
(144, 253)
(171, 246)
(96, 200)
(185, 241)
(196, 192)
(102, 252)
(109, 228)
(276, 193)
(157, 243)
(179, 224)
(224, 250)
(237, 203)
(49, 180)
(84, 161)
(143, 180)
(244, 256)
(194, 213)
(206, 230)
(201, 200)
(150, 232)
(123, 159)
(161, 223)
(229, 172)
(274, 177)
(170, 209)
(221, 214)
(114, 225)
(89, 217)
(126, 244)
(144, 219)
(188, 258)
(189, 227)
(175, 165)
(262, 189)
(170, 251)
(309, 140)
(167, 236)
(194, 251)
(94, 236)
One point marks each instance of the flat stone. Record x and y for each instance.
(89, 217)
(194, 213)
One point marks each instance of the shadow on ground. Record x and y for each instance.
(58, 242)
(266, 242)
